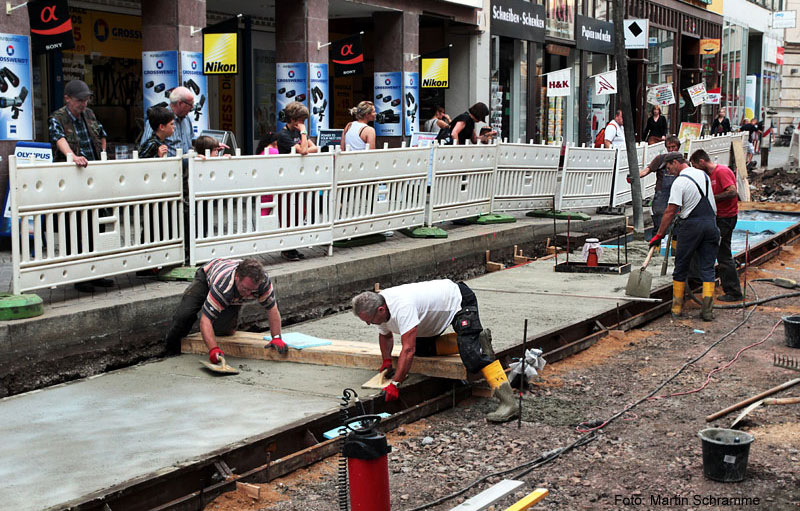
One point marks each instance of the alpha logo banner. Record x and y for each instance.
(347, 56)
(435, 69)
(221, 48)
(51, 26)
(558, 83)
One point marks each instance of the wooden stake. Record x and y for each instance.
(249, 490)
(492, 266)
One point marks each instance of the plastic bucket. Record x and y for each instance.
(725, 453)
(791, 325)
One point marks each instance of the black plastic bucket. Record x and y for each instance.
(791, 325)
(725, 453)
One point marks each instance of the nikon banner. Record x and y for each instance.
(220, 48)
(435, 69)
(51, 26)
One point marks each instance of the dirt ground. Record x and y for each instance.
(649, 458)
(774, 185)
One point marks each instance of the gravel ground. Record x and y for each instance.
(648, 458)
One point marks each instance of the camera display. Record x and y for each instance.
(388, 116)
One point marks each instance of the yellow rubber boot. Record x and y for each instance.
(708, 302)
(447, 344)
(678, 291)
(498, 381)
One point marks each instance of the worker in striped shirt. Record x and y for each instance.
(218, 291)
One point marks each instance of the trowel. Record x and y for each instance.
(639, 281)
(768, 401)
(221, 368)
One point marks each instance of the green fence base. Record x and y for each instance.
(496, 218)
(360, 241)
(177, 273)
(425, 232)
(20, 306)
(559, 215)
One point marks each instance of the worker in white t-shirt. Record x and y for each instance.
(615, 133)
(420, 313)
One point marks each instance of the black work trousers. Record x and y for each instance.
(726, 266)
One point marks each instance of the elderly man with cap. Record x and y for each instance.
(181, 103)
(693, 195)
(74, 129)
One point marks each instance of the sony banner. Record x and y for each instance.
(594, 35)
(51, 26)
(16, 102)
(347, 56)
(518, 20)
(192, 78)
(318, 85)
(159, 76)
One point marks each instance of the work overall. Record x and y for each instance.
(661, 198)
(698, 234)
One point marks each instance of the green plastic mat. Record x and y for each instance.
(20, 306)
(177, 273)
(425, 232)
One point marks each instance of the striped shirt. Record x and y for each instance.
(222, 292)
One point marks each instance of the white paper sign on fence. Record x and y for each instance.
(661, 95)
(558, 83)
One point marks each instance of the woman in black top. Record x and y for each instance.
(721, 124)
(656, 129)
(463, 126)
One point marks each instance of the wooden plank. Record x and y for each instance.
(489, 496)
(360, 355)
(742, 184)
(529, 500)
(377, 382)
(770, 206)
(249, 490)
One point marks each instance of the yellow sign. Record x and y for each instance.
(107, 34)
(219, 54)
(709, 46)
(435, 73)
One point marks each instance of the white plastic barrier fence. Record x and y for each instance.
(622, 188)
(648, 182)
(462, 182)
(586, 178)
(718, 148)
(378, 191)
(256, 204)
(526, 176)
(71, 224)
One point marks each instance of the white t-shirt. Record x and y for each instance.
(685, 195)
(429, 306)
(615, 134)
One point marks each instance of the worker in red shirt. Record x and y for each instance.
(723, 184)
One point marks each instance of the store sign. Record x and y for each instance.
(784, 19)
(636, 34)
(697, 93)
(51, 26)
(435, 69)
(518, 20)
(347, 56)
(318, 84)
(106, 34)
(388, 104)
(411, 102)
(594, 35)
(709, 46)
(558, 83)
(192, 78)
(291, 84)
(221, 48)
(159, 76)
(661, 95)
(605, 83)
(714, 96)
(227, 103)
(779, 55)
(16, 103)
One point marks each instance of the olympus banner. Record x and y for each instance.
(594, 35)
(518, 19)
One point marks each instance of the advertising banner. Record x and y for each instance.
(710, 46)
(388, 102)
(107, 34)
(697, 93)
(605, 83)
(291, 84)
(159, 77)
(27, 153)
(16, 101)
(51, 26)
(661, 95)
(192, 78)
(347, 56)
(411, 102)
(227, 103)
(689, 131)
(435, 69)
(558, 83)
(318, 110)
(714, 96)
(518, 19)
(329, 137)
(750, 96)
(221, 48)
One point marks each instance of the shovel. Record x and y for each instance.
(768, 401)
(221, 368)
(639, 281)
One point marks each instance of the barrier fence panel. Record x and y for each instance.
(378, 191)
(526, 176)
(648, 182)
(586, 178)
(462, 182)
(71, 224)
(250, 205)
(622, 188)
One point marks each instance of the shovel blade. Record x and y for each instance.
(639, 282)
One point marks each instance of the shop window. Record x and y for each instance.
(560, 18)
(508, 108)
(660, 54)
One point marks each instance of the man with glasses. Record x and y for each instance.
(181, 103)
(74, 129)
(218, 291)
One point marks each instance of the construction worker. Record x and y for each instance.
(420, 313)
(663, 180)
(692, 194)
(218, 290)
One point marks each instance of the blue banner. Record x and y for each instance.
(192, 78)
(16, 100)
(411, 102)
(388, 104)
(318, 85)
(291, 84)
(159, 76)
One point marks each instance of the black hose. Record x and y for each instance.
(757, 302)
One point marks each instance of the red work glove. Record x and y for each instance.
(655, 241)
(391, 392)
(278, 344)
(387, 364)
(214, 355)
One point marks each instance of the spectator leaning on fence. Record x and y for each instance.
(74, 129)
(294, 134)
(162, 122)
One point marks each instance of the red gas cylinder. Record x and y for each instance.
(367, 465)
(591, 258)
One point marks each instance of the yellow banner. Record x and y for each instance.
(219, 54)
(435, 73)
(709, 46)
(110, 35)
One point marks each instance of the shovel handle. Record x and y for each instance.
(782, 400)
(649, 256)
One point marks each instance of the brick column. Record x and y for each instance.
(165, 25)
(16, 23)
(299, 26)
